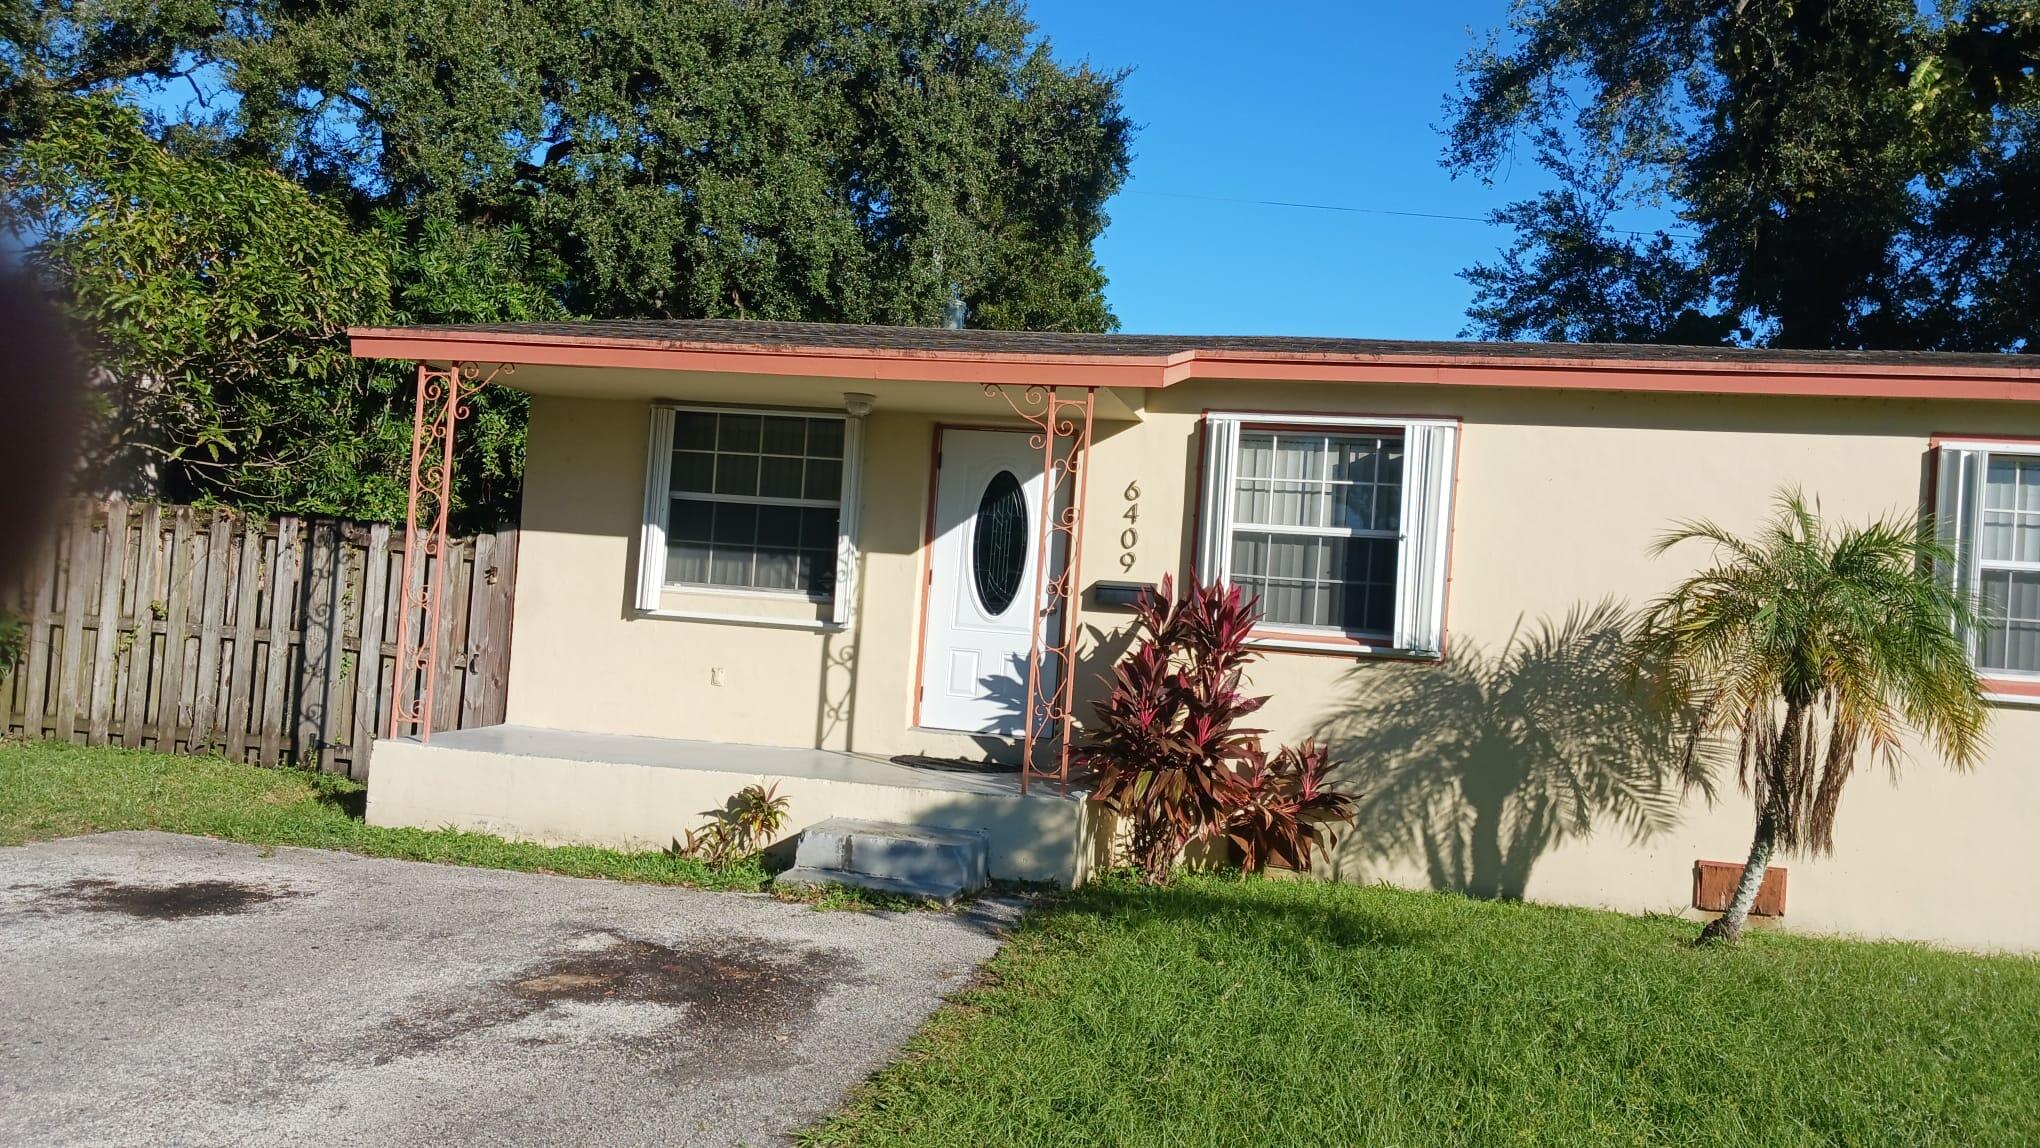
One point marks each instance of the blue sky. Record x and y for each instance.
(1315, 102)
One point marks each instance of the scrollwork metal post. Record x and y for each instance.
(1062, 432)
(440, 405)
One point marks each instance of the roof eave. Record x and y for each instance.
(1473, 368)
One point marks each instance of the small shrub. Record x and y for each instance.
(1286, 811)
(1171, 759)
(746, 823)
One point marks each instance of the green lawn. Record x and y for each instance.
(1222, 1012)
(1230, 1012)
(51, 789)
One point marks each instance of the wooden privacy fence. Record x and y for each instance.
(185, 629)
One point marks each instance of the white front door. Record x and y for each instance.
(988, 507)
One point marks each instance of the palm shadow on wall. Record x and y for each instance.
(1480, 765)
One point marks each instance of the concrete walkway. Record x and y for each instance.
(175, 990)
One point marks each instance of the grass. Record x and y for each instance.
(1223, 1011)
(53, 789)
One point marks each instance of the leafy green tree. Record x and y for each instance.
(846, 160)
(1808, 644)
(1847, 173)
(215, 296)
(837, 159)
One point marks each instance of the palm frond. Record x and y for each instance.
(1806, 625)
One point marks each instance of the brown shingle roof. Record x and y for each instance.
(851, 337)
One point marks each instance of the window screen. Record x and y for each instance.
(1315, 525)
(756, 501)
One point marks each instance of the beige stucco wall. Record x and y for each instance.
(1558, 496)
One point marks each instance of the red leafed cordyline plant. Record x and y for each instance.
(1170, 759)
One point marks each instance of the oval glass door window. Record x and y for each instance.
(999, 555)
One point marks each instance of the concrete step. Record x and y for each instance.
(917, 856)
(927, 891)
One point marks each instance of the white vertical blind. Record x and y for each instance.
(1958, 476)
(846, 535)
(652, 541)
(1221, 456)
(1428, 451)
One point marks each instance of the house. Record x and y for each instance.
(853, 560)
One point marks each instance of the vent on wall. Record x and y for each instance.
(1714, 886)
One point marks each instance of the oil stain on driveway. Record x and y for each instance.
(176, 990)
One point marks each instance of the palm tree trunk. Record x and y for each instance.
(1729, 926)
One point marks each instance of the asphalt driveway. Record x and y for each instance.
(162, 989)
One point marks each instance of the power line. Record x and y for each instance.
(1353, 210)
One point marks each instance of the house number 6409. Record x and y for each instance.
(1129, 536)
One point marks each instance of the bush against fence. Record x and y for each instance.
(179, 628)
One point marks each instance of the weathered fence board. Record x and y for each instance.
(178, 628)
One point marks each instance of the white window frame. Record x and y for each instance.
(651, 573)
(1422, 535)
(1960, 496)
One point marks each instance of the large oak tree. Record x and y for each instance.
(847, 160)
(1845, 173)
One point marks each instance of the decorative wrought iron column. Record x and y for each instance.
(441, 404)
(1062, 432)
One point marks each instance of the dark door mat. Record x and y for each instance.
(953, 764)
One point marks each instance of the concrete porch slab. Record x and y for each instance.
(566, 786)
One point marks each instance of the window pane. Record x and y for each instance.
(1357, 507)
(687, 562)
(777, 569)
(1299, 457)
(730, 568)
(818, 573)
(735, 524)
(1249, 556)
(716, 536)
(1996, 540)
(824, 480)
(1296, 504)
(818, 529)
(1343, 583)
(738, 433)
(1251, 503)
(825, 438)
(691, 520)
(2011, 518)
(1356, 460)
(693, 470)
(2001, 484)
(1365, 569)
(1388, 507)
(782, 435)
(779, 526)
(1256, 453)
(1285, 604)
(693, 430)
(2010, 638)
(779, 477)
(1292, 557)
(736, 474)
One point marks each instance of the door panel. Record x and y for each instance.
(988, 507)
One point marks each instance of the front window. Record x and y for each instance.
(1315, 526)
(2008, 565)
(1339, 526)
(755, 501)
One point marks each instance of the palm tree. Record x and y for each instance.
(1804, 626)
